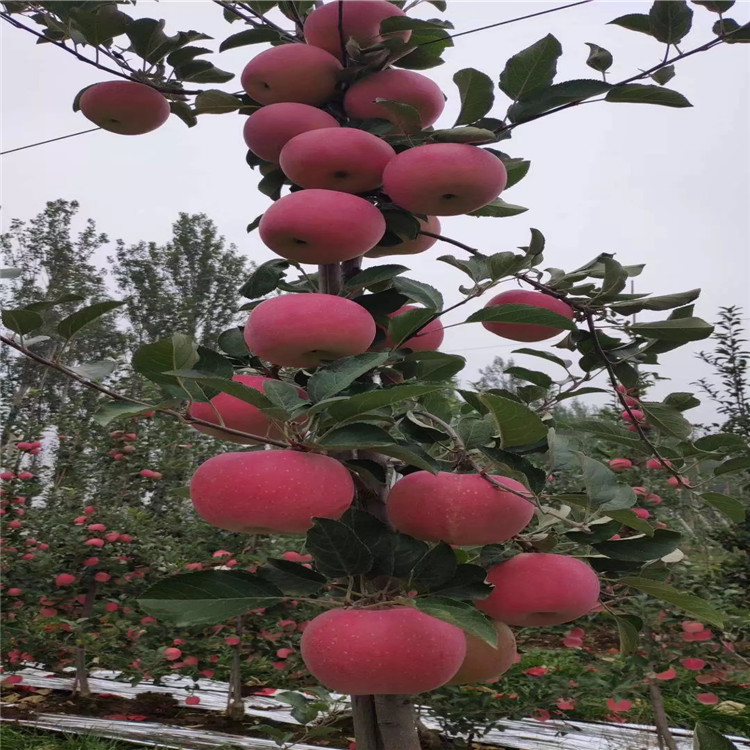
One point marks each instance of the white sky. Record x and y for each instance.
(669, 187)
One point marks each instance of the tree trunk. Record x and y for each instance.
(365, 723)
(235, 704)
(663, 733)
(397, 722)
(81, 680)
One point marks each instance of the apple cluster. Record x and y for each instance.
(342, 175)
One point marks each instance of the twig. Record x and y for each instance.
(660, 717)
(61, 44)
(450, 241)
(122, 397)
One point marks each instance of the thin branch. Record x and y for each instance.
(443, 238)
(61, 44)
(122, 397)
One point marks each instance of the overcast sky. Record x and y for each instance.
(669, 187)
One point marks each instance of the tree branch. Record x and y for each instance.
(122, 397)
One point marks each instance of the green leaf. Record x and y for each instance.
(419, 292)
(720, 440)
(207, 597)
(606, 431)
(465, 134)
(102, 24)
(437, 566)
(179, 352)
(375, 275)
(405, 117)
(372, 400)
(732, 32)
(641, 549)
(517, 169)
(474, 267)
(68, 327)
(535, 477)
(599, 58)
(603, 489)
(733, 464)
(634, 22)
(679, 330)
(666, 419)
(663, 75)
(531, 68)
(687, 602)
(271, 183)
(215, 102)
(433, 366)
(521, 314)
(403, 326)
(477, 95)
(543, 99)
(639, 93)
(202, 71)
(22, 321)
(533, 376)
(468, 582)
(662, 302)
(412, 455)
(475, 431)
(250, 36)
(115, 409)
(498, 209)
(670, 20)
(542, 355)
(682, 401)
(518, 424)
(629, 636)
(715, 6)
(504, 264)
(292, 578)
(461, 614)
(330, 380)
(626, 517)
(185, 54)
(732, 508)
(185, 112)
(356, 435)
(95, 370)
(337, 550)
(264, 279)
(706, 738)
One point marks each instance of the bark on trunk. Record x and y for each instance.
(365, 723)
(81, 680)
(663, 732)
(235, 704)
(397, 722)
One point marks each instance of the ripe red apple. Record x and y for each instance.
(462, 509)
(410, 247)
(642, 513)
(65, 579)
(304, 330)
(277, 491)
(321, 226)
(124, 107)
(444, 179)
(172, 653)
(527, 331)
(359, 21)
(536, 589)
(620, 464)
(658, 463)
(637, 415)
(404, 86)
(426, 340)
(270, 128)
(291, 73)
(485, 663)
(398, 651)
(344, 159)
(237, 414)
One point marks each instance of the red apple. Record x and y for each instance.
(527, 331)
(172, 653)
(462, 509)
(620, 464)
(65, 579)
(360, 21)
(292, 73)
(277, 491)
(344, 159)
(538, 589)
(321, 226)
(633, 415)
(642, 513)
(237, 414)
(410, 247)
(428, 339)
(270, 128)
(404, 86)
(444, 179)
(657, 463)
(398, 651)
(305, 330)
(485, 663)
(124, 107)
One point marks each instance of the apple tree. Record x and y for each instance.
(431, 511)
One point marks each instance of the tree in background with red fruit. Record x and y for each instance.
(351, 404)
